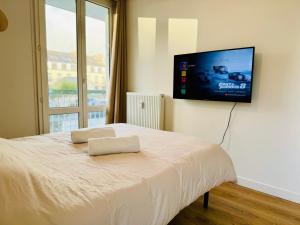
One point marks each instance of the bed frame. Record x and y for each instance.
(205, 200)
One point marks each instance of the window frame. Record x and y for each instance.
(39, 28)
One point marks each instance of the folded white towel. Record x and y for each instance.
(111, 145)
(82, 135)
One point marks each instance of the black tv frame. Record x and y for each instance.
(212, 99)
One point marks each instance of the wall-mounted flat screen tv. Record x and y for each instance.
(223, 75)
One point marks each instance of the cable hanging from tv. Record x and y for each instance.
(228, 123)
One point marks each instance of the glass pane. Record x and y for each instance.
(63, 122)
(97, 50)
(96, 119)
(61, 53)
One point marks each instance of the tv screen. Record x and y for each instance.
(223, 75)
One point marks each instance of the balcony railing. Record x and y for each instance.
(70, 121)
(69, 98)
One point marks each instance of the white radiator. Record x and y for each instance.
(145, 110)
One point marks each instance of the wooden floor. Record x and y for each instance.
(231, 204)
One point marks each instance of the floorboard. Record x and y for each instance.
(231, 204)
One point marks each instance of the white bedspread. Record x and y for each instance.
(48, 180)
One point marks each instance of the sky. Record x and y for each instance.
(61, 32)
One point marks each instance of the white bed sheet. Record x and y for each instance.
(48, 180)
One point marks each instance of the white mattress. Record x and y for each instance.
(48, 180)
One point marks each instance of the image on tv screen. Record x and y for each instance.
(224, 75)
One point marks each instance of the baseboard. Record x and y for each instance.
(271, 190)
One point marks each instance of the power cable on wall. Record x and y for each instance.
(228, 123)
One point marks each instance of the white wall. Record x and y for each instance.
(17, 100)
(263, 140)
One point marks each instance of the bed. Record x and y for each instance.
(48, 180)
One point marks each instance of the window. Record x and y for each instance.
(96, 69)
(75, 93)
(68, 66)
(59, 66)
(49, 65)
